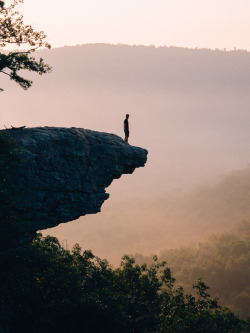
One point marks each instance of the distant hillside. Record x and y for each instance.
(140, 69)
(213, 207)
(222, 261)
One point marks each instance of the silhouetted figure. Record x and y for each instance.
(126, 128)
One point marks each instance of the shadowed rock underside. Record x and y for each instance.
(64, 172)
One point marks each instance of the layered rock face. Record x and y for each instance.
(64, 172)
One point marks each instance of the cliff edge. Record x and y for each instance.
(63, 172)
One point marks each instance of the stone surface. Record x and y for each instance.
(64, 172)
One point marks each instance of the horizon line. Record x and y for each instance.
(235, 49)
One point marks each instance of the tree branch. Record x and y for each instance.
(9, 42)
(5, 73)
(21, 52)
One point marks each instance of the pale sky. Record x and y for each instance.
(188, 23)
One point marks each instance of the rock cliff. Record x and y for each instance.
(64, 172)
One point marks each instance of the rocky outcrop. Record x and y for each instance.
(64, 172)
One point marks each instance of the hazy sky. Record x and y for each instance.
(188, 23)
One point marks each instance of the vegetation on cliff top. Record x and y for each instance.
(11, 230)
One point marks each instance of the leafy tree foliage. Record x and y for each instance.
(12, 230)
(14, 31)
(54, 290)
(223, 261)
(11, 227)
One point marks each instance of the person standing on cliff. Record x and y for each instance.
(126, 128)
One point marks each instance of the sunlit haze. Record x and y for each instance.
(187, 23)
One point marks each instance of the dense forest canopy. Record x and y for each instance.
(54, 290)
(222, 261)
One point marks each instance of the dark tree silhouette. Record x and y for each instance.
(14, 31)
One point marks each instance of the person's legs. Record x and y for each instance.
(126, 137)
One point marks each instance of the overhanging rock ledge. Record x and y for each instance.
(64, 172)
